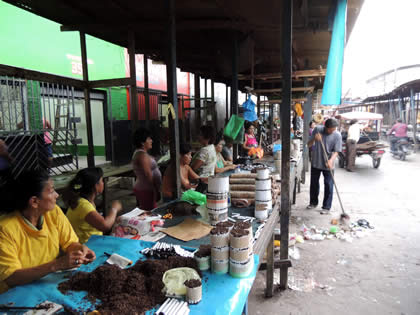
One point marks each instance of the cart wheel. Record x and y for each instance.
(341, 161)
(376, 162)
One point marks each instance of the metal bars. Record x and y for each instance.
(37, 123)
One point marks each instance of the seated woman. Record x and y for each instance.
(221, 164)
(204, 161)
(148, 176)
(33, 231)
(250, 144)
(189, 178)
(80, 196)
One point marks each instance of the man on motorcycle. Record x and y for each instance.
(400, 132)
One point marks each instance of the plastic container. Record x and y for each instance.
(219, 237)
(203, 262)
(263, 173)
(261, 184)
(220, 253)
(218, 184)
(240, 269)
(219, 266)
(239, 254)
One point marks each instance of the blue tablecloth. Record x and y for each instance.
(222, 294)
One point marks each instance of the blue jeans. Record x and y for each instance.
(328, 187)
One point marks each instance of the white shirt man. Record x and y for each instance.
(354, 132)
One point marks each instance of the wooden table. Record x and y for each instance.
(62, 181)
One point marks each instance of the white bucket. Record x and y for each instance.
(263, 195)
(263, 173)
(217, 216)
(261, 214)
(218, 184)
(263, 184)
(217, 201)
(260, 204)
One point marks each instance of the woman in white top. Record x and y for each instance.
(204, 161)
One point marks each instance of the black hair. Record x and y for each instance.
(140, 136)
(399, 120)
(218, 139)
(82, 185)
(16, 193)
(184, 148)
(207, 133)
(248, 124)
(330, 123)
(353, 121)
(312, 122)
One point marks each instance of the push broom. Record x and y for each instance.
(343, 215)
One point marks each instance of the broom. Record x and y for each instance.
(343, 215)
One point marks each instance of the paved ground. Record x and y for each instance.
(376, 274)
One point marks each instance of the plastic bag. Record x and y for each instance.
(195, 197)
(249, 107)
(174, 279)
(233, 127)
(249, 104)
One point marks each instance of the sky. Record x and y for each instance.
(385, 37)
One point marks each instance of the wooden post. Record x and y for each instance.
(258, 106)
(234, 87)
(285, 131)
(172, 91)
(227, 103)
(252, 63)
(307, 116)
(146, 90)
(88, 111)
(213, 102)
(205, 101)
(197, 102)
(133, 86)
(270, 268)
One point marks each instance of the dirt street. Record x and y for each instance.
(376, 274)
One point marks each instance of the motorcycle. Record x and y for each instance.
(401, 149)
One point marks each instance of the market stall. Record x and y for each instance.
(231, 299)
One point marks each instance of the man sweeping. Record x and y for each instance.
(332, 141)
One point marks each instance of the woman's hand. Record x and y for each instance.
(70, 260)
(116, 204)
(89, 255)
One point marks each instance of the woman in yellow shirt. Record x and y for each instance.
(80, 196)
(33, 230)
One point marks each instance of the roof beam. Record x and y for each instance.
(40, 76)
(278, 101)
(109, 83)
(295, 89)
(278, 75)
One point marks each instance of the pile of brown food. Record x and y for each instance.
(128, 291)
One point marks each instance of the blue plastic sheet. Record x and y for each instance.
(222, 294)
(331, 93)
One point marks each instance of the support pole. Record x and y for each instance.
(172, 91)
(133, 86)
(213, 104)
(270, 268)
(258, 106)
(285, 134)
(88, 111)
(146, 90)
(234, 87)
(414, 117)
(227, 103)
(307, 116)
(197, 102)
(205, 100)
